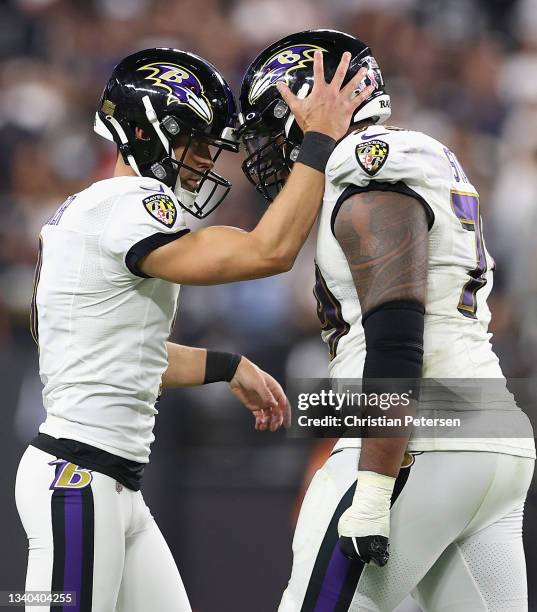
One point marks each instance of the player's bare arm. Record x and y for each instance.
(186, 366)
(257, 390)
(384, 237)
(224, 254)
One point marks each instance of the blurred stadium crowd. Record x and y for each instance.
(464, 71)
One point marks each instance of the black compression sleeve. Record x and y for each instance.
(394, 343)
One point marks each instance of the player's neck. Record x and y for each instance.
(359, 125)
(122, 169)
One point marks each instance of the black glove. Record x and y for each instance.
(369, 548)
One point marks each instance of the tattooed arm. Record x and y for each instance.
(384, 236)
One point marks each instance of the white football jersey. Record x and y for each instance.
(101, 325)
(456, 339)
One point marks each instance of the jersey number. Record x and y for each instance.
(329, 313)
(466, 208)
(54, 220)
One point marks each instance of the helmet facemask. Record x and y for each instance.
(271, 147)
(211, 188)
(268, 163)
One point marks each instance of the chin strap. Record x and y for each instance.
(153, 120)
(124, 141)
(187, 198)
(301, 94)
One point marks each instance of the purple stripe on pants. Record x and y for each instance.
(333, 582)
(74, 506)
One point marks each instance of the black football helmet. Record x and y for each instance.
(267, 128)
(170, 94)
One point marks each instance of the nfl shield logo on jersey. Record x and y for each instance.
(372, 155)
(162, 208)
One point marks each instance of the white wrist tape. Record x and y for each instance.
(369, 513)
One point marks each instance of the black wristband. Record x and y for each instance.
(315, 150)
(220, 366)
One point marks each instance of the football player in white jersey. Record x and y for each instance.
(402, 278)
(111, 261)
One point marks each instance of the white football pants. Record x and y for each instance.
(95, 537)
(455, 538)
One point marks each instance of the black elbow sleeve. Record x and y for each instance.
(394, 342)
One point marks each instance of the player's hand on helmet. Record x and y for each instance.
(364, 528)
(328, 108)
(262, 395)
